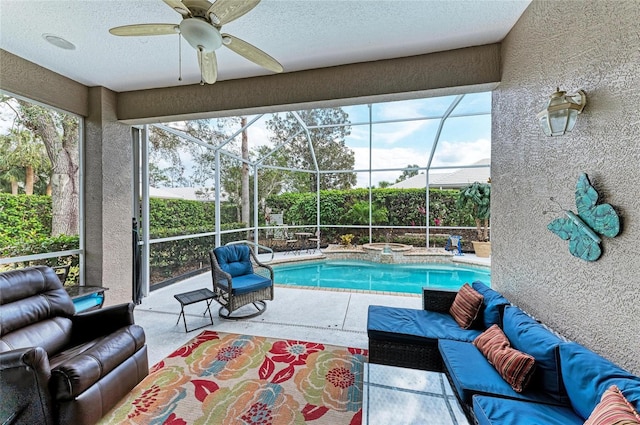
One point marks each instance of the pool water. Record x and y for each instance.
(364, 275)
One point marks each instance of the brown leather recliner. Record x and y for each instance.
(58, 367)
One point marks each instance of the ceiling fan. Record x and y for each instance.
(201, 26)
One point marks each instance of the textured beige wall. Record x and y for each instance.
(594, 46)
(455, 71)
(108, 198)
(26, 79)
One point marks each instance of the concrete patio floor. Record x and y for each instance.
(336, 317)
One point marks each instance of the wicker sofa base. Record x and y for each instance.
(424, 355)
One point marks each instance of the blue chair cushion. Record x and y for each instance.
(246, 283)
(494, 411)
(234, 259)
(494, 303)
(587, 376)
(471, 374)
(413, 325)
(529, 336)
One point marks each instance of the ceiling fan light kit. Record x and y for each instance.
(201, 26)
(199, 33)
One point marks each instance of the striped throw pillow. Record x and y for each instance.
(514, 366)
(466, 306)
(613, 409)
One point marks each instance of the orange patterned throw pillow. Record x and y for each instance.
(613, 409)
(466, 306)
(514, 366)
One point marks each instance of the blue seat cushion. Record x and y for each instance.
(471, 374)
(529, 336)
(587, 376)
(495, 411)
(412, 325)
(234, 259)
(494, 303)
(247, 283)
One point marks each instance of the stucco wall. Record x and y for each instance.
(108, 168)
(594, 46)
(436, 74)
(23, 78)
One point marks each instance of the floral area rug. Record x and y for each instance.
(218, 378)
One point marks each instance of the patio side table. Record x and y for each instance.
(193, 297)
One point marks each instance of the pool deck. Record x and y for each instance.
(336, 317)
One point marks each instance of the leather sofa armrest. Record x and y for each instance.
(91, 324)
(437, 301)
(24, 380)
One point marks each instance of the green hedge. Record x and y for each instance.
(43, 244)
(25, 222)
(23, 217)
(180, 214)
(405, 206)
(173, 258)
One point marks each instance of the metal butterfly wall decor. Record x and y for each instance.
(582, 229)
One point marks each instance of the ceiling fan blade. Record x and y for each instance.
(208, 66)
(179, 7)
(252, 53)
(229, 10)
(145, 29)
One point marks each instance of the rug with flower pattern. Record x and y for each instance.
(220, 378)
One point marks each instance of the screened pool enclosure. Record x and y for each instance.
(380, 172)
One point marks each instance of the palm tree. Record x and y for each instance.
(22, 159)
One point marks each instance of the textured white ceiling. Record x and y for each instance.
(300, 34)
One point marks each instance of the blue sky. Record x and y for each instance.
(463, 140)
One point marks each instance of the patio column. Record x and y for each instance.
(108, 197)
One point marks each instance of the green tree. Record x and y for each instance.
(328, 141)
(11, 174)
(407, 174)
(384, 184)
(165, 163)
(271, 181)
(59, 134)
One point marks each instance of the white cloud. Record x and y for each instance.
(390, 134)
(386, 158)
(7, 117)
(447, 154)
(461, 153)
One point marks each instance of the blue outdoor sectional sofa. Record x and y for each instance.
(566, 385)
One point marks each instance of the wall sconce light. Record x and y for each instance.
(560, 114)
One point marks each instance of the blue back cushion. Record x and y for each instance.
(234, 259)
(587, 376)
(494, 302)
(529, 336)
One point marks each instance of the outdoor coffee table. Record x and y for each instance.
(193, 297)
(400, 396)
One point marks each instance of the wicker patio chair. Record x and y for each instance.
(240, 279)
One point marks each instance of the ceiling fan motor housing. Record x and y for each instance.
(200, 34)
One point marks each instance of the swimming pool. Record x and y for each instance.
(364, 275)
